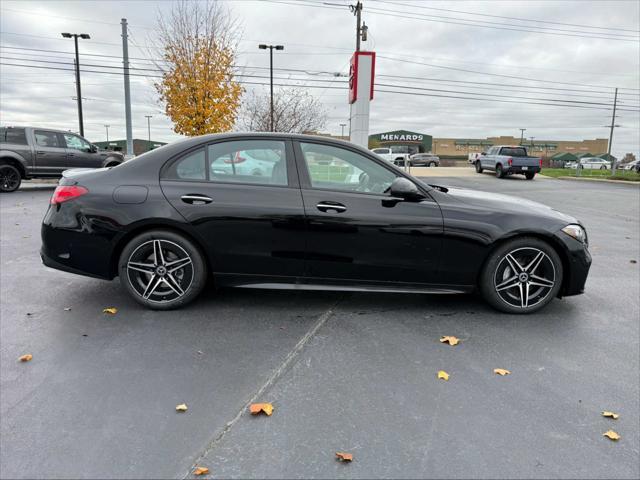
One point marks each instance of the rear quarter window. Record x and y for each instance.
(13, 135)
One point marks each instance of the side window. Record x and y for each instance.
(381, 151)
(46, 139)
(13, 135)
(189, 167)
(77, 143)
(248, 161)
(335, 168)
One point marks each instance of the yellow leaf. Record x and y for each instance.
(610, 414)
(443, 375)
(181, 408)
(201, 471)
(256, 408)
(501, 371)
(451, 339)
(344, 456)
(611, 435)
(110, 310)
(26, 358)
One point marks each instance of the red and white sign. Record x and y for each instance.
(354, 79)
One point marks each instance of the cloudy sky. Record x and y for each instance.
(450, 69)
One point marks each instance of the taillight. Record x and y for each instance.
(64, 193)
(541, 163)
(510, 161)
(236, 159)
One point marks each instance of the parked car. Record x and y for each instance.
(424, 159)
(393, 155)
(31, 152)
(634, 166)
(508, 160)
(365, 226)
(247, 162)
(570, 164)
(593, 163)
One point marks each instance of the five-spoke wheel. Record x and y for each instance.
(162, 269)
(10, 178)
(522, 276)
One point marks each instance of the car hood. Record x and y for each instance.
(498, 202)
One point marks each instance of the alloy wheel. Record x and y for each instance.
(524, 277)
(9, 178)
(160, 271)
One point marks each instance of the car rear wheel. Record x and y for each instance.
(499, 171)
(10, 178)
(603, 167)
(432, 164)
(521, 276)
(478, 167)
(162, 270)
(529, 175)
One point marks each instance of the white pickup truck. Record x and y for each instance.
(508, 160)
(392, 154)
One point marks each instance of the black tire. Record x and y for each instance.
(432, 164)
(478, 166)
(603, 167)
(156, 288)
(10, 178)
(529, 175)
(505, 290)
(499, 171)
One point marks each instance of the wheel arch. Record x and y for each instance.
(547, 238)
(156, 224)
(15, 163)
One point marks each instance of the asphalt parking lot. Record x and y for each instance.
(345, 371)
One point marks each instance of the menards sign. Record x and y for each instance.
(402, 137)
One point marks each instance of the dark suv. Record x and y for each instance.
(30, 152)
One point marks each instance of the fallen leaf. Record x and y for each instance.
(501, 371)
(110, 310)
(633, 261)
(611, 435)
(344, 456)
(452, 340)
(610, 414)
(26, 358)
(181, 408)
(256, 408)
(201, 471)
(443, 375)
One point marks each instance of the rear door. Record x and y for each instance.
(251, 219)
(51, 153)
(357, 233)
(79, 152)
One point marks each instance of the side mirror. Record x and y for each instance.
(405, 189)
(93, 148)
(483, 153)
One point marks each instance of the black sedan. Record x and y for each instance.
(319, 214)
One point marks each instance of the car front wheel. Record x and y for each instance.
(478, 167)
(162, 270)
(521, 276)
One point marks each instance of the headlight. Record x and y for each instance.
(577, 232)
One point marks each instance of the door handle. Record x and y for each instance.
(196, 199)
(326, 206)
(40, 152)
(70, 154)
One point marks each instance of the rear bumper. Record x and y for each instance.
(523, 170)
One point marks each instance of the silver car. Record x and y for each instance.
(424, 159)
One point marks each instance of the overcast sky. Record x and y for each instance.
(426, 40)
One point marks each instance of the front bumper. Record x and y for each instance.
(576, 266)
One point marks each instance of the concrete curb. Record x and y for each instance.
(602, 180)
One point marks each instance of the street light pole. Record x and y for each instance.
(613, 124)
(522, 130)
(107, 127)
(342, 125)
(78, 89)
(263, 46)
(148, 117)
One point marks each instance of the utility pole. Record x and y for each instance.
(148, 117)
(357, 11)
(77, 62)
(613, 124)
(522, 130)
(263, 46)
(532, 141)
(107, 127)
(127, 91)
(342, 125)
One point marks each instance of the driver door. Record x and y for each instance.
(80, 153)
(356, 231)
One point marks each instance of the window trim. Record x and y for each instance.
(292, 172)
(58, 136)
(66, 145)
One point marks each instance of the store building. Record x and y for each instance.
(409, 142)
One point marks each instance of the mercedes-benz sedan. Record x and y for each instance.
(329, 216)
